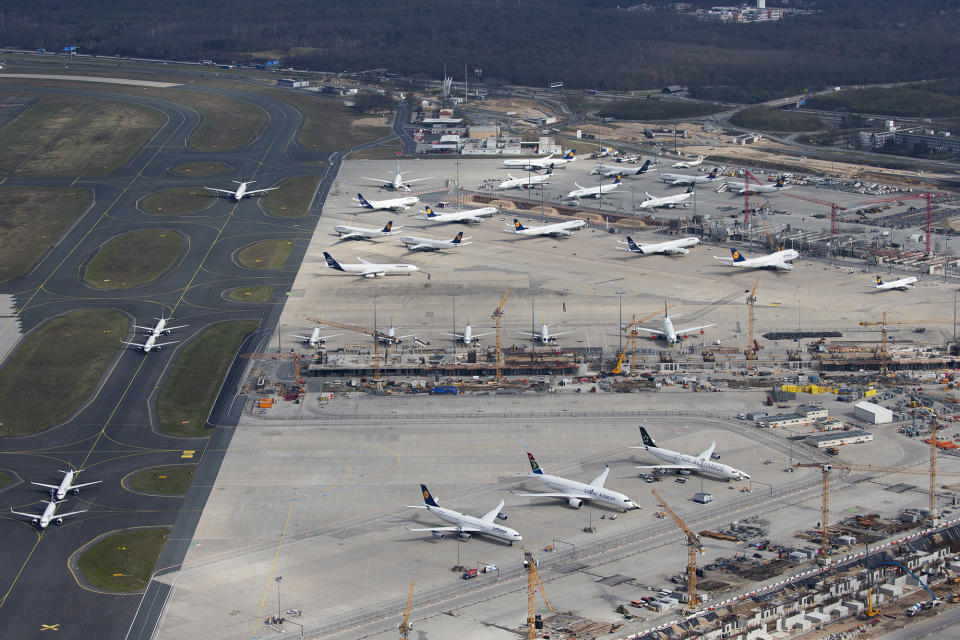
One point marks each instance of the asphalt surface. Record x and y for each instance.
(115, 433)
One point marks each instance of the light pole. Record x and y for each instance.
(620, 293)
(277, 580)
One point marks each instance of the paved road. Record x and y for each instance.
(926, 627)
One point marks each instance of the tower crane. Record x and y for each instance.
(693, 547)
(405, 626)
(377, 337)
(497, 316)
(753, 345)
(533, 579)
(631, 341)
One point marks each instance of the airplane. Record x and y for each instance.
(576, 493)
(671, 335)
(594, 192)
(241, 192)
(684, 180)
(687, 164)
(370, 269)
(394, 204)
(665, 201)
(315, 338)
(556, 229)
(49, 514)
(464, 525)
(398, 183)
(670, 247)
(470, 215)
(609, 171)
(740, 187)
(900, 285)
(526, 183)
(684, 462)
(59, 491)
(468, 336)
(151, 344)
(391, 337)
(544, 336)
(161, 327)
(361, 233)
(776, 260)
(414, 243)
(534, 164)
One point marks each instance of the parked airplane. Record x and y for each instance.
(391, 337)
(529, 182)
(398, 183)
(741, 187)
(370, 269)
(161, 327)
(576, 493)
(533, 164)
(670, 247)
(666, 201)
(315, 339)
(362, 233)
(776, 260)
(468, 336)
(680, 179)
(49, 514)
(240, 192)
(687, 164)
(470, 215)
(60, 491)
(610, 171)
(464, 525)
(544, 336)
(594, 192)
(684, 462)
(556, 229)
(414, 243)
(394, 204)
(671, 335)
(901, 285)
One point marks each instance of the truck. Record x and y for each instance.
(447, 390)
(469, 573)
(832, 451)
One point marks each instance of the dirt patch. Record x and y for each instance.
(522, 107)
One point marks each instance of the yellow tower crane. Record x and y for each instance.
(752, 346)
(533, 579)
(405, 626)
(498, 319)
(377, 336)
(630, 343)
(693, 547)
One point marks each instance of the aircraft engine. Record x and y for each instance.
(464, 535)
(139, 348)
(437, 534)
(157, 348)
(576, 503)
(59, 520)
(166, 332)
(501, 516)
(369, 275)
(34, 521)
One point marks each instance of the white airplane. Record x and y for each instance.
(315, 339)
(465, 526)
(468, 336)
(611, 171)
(680, 179)
(398, 183)
(665, 201)
(595, 192)
(741, 187)
(684, 462)
(671, 335)
(533, 164)
(529, 182)
(555, 229)
(777, 260)
(576, 493)
(49, 514)
(361, 233)
(394, 204)
(686, 164)
(900, 285)
(414, 243)
(544, 336)
(60, 491)
(151, 344)
(240, 192)
(470, 215)
(670, 247)
(160, 328)
(391, 337)
(370, 269)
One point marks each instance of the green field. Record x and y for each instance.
(188, 393)
(293, 198)
(266, 254)
(56, 369)
(227, 123)
(931, 100)
(175, 201)
(134, 259)
(173, 480)
(71, 136)
(385, 152)
(766, 119)
(34, 218)
(654, 109)
(329, 125)
(200, 169)
(5, 479)
(124, 561)
(249, 294)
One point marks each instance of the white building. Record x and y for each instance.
(872, 413)
(839, 438)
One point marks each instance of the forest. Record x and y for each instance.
(587, 44)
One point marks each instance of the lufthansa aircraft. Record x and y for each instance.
(576, 493)
(463, 525)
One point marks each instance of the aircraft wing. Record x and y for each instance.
(136, 344)
(561, 333)
(258, 191)
(571, 494)
(163, 344)
(28, 515)
(564, 232)
(523, 333)
(456, 335)
(654, 331)
(666, 466)
(351, 236)
(783, 266)
(221, 191)
(600, 479)
(416, 180)
(708, 451)
(457, 529)
(72, 513)
(680, 181)
(723, 259)
(182, 326)
(689, 329)
(378, 180)
(86, 484)
(478, 335)
(137, 326)
(293, 335)
(362, 261)
(676, 251)
(421, 245)
(48, 486)
(491, 515)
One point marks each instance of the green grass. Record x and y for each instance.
(56, 369)
(5, 479)
(249, 294)
(651, 109)
(173, 480)
(72, 136)
(175, 201)
(189, 392)
(34, 218)
(765, 119)
(124, 561)
(328, 124)
(200, 169)
(385, 152)
(293, 198)
(893, 101)
(227, 123)
(266, 254)
(134, 259)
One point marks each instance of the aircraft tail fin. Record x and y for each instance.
(737, 256)
(388, 226)
(331, 262)
(712, 174)
(644, 168)
(879, 281)
(779, 181)
(647, 440)
(616, 179)
(534, 465)
(570, 155)
(363, 201)
(633, 246)
(428, 497)
(458, 238)
(429, 211)
(518, 226)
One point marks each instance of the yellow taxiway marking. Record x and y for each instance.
(50, 627)
(273, 568)
(188, 453)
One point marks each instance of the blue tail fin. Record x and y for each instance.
(517, 225)
(363, 201)
(333, 264)
(633, 245)
(388, 226)
(643, 169)
(616, 179)
(879, 281)
(534, 465)
(458, 238)
(712, 174)
(427, 497)
(737, 257)
(779, 181)
(569, 155)
(430, 213)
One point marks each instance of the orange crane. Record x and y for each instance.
(631, 341)
(693, 547)
(533, 579)
(753, 345)
(498, 319)
(405, 626)
(377, 337)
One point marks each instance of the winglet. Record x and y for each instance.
(534, 465)
(331, 262)
(427, 497)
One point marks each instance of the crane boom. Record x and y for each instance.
(498, 319)
(533, 579)
(405, 625)
(694, 546)
(751, 301)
